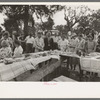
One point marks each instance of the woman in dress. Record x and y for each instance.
(18, 49)
(5, 51)
(90, 45)
(81, 44)
(73, 44)
(63, 43)
(7, 38)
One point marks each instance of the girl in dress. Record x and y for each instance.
(18, 50)
(5, 51)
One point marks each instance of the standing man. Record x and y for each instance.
(48, 41)
(30, 43)
(39, 42)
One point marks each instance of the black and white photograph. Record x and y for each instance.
(50, 42)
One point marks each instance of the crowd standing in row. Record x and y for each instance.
(15, 46)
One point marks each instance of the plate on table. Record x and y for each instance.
(8, 60)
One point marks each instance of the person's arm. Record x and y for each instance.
(42, 44)
(59, 44)
(34, 43)
(95, 46)
(26, 38)
(86, 47)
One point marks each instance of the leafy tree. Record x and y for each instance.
(16, 13)
(73, 15)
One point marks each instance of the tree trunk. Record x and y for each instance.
(26, 20)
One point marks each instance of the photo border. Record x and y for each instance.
(19, 1)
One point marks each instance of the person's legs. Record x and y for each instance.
(29, 48)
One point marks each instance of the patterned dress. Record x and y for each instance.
(5, 53)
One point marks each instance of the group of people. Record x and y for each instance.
(15, 46)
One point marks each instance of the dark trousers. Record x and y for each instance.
(29, 48)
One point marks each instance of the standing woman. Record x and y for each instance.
(90, 45)
(30, 43)
(73, 44)
(7, 38)
(81, 44)
(48, 42)
(18, 49)
(63, 43)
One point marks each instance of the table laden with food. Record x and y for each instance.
(10, 68)
(85, 63)
(44, 63)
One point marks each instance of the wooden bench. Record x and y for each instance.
(63, 79)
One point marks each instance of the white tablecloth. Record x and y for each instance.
(90, 64)
(10, 71)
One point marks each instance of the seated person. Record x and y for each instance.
(5, 51)
(18, 49)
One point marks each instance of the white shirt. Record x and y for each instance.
(39, 44)
(18, 51)
(29, 39)
(63, 44)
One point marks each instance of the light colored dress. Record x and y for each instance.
(81, 45)
(39, 44)
(73, 44)
(63, 44)
(90, 46)
(18, 51)
(5, 52)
